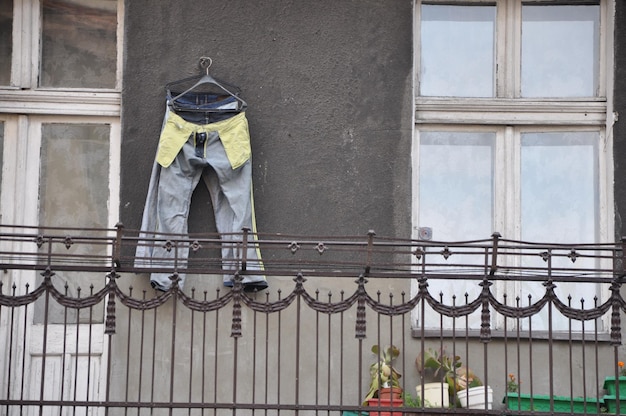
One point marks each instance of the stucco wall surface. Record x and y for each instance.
(329, 89)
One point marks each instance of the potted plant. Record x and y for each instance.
(385, 390)
(434, 394)
(465, 388)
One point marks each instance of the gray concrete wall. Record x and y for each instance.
(329, 89)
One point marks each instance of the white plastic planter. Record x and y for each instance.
(434, 393)
(474, 397)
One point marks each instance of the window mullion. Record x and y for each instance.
(503, 69)
(33, 64)
(514, 44)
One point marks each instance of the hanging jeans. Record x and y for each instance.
(185, 149)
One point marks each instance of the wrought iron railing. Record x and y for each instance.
(82, 331)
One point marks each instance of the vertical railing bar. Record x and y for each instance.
(203, 360)
(154, 343)
(519, 353)
(571, 351)
(298, 346)
(341, 350)
(10, 346)
(422, 323)
(403, 332)
(78, 311)
(24, 352)
(360, 373)
(267, 347)
(329, 380)
(216, 355)
(63, 354)
(616, 373)
(89, 342)
(454, 339)
(254, 353)
(583, 346)
(530, 354)
(191, 349)
(141, 349)
(378, 338)
(505, 340)
(391, 340)
(596, 358)
(44, 347)
(10, 351)
(235, 371)
(317, 352)
(128, 340)
(441, 346)
(550, 336)
(173, 341)
(108, 377)
(484, 310)
(278, 352)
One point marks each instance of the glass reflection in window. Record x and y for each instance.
(457, 51)
(560, 51)
(456, 184)
(78, 45)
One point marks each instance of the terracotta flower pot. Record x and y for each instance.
(373, 403)
(387, 393)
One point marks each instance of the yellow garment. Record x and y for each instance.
(233, 132)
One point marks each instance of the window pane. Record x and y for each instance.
(79, 43)
(455, 184)
(559, 203)
(456, 201)
(73, 192)
(6, 41)
(560, 51)
(559, 194)
(457, 51)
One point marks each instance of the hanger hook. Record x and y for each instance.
(205, 63)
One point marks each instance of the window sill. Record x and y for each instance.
(511, 111)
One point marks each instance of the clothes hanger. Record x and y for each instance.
(206, 79)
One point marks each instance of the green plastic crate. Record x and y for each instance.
(541, 403)
(611, 404)
(611, 388)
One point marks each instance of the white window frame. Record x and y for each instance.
(509, 115)
(24, 109)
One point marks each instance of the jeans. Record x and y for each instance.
(223, 145)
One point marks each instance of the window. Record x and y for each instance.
(60, 90)
(513, 127)
(60, 93)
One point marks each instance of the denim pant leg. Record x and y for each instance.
(231, 196)
(176, 185)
